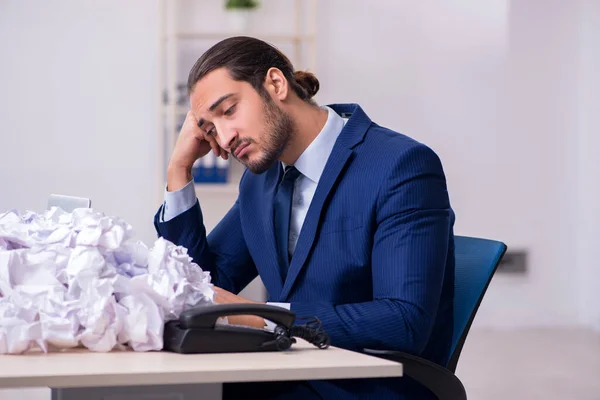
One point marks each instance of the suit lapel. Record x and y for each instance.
(338, 159)
(352, 134)
(272, 272)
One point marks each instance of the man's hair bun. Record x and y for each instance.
(308, 82)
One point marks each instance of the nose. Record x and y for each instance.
(227, 137)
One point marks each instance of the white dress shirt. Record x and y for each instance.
(310, 164)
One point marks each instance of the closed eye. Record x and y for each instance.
(230, 111)
(211, 131)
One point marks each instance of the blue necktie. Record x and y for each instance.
(282, 209)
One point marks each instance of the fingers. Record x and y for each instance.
(224, 297)
(212, 142)
(191, 116)
(224, 154)
(216, 149)
(218, 298)
(214, 146)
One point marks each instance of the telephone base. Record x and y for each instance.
(221, 339)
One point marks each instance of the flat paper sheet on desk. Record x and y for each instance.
(72, 279)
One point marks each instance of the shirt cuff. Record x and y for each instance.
(270, 326)
(179, 201)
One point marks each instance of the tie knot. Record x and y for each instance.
(290, 174)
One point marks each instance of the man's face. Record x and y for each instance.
(251, 128)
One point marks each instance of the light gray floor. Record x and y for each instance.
(500, 365)
(531, 365)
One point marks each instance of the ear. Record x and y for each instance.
(276, 84)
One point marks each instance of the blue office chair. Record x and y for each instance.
(476, 262)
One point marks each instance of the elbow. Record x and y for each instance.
(416, 326)
(419, 338)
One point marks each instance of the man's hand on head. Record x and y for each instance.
(222, 296)
(192, 144)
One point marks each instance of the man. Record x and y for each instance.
(342, 219)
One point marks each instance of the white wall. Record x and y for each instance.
(537, 199)
(79, 105)
(588, 216)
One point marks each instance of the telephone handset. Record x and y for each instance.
(197, 331)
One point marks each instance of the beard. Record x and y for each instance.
(275, 139)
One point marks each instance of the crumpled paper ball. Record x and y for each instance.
(79, 279)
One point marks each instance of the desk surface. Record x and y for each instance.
(81, 368)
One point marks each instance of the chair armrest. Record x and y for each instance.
(441, 381)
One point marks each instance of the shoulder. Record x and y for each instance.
(411, 176)
(393, 150)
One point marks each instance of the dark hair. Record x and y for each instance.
(248, 59)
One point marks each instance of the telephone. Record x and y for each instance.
(197, 331)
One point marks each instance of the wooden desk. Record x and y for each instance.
(81, 368)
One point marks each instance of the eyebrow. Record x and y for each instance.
(215, 105)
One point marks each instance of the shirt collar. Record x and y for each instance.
(311, 162)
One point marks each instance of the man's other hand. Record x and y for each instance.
(222, 296)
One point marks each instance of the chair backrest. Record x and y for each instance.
(476, 260)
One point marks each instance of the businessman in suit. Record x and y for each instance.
(342, 219)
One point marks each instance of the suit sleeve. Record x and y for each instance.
(223, 253)
(408, 262)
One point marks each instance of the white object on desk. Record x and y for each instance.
(68, 203)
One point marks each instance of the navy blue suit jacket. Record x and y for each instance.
(374, 260)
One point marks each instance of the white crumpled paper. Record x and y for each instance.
(79, 279)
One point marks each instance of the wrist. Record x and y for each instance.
(247, 320)
(178, 176)
(256, 321)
